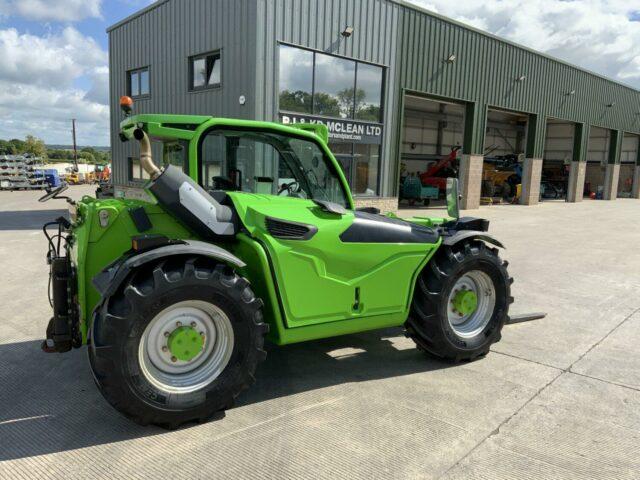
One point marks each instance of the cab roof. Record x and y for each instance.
(185, 127)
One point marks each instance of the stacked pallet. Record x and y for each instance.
(21, 172)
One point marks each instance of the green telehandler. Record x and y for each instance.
(249, 233)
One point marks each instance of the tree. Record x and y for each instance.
(87, 157)
(7, 148)
(18, 146)
(363, 110)
(297, 101)
(35, 147)
(325, 104)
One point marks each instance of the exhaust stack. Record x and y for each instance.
(146, 158)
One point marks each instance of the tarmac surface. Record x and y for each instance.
(556, 398)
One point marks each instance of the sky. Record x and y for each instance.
(54, 59)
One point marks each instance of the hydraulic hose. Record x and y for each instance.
(146, 158)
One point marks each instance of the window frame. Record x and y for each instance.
(138, 71)
(357, 62)
(190, 61)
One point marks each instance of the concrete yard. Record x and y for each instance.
(557, 398)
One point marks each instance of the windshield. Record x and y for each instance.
(268, 163)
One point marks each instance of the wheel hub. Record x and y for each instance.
(186, 346)
(185, 343)
(465, 302)
(470, 303)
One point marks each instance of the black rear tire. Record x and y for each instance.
(428, 324)
(120, 321)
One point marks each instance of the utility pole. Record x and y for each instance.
(75, 148)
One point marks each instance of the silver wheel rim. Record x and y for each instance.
(178, 376)
(468, 326)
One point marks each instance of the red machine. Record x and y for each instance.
(437, 174)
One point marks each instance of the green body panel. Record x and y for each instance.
(94, 246)
(324, 279)
(314, 288)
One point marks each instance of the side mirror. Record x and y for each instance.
(453, 198)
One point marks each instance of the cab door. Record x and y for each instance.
(327, 267)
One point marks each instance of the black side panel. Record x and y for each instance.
(166, 189)
(140, 219)
(371, 228)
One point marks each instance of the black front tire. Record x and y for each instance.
(121, 319)
(428, 324)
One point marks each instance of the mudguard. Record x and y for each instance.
(466, 234)
(107, 281)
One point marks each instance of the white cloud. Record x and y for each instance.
(53, 60)
(52, 10)
(47, 113)
(598, 35)
(39, 86)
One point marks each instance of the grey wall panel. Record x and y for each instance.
(164, 37)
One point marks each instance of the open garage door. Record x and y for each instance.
(597, 158)
(431, 149)
(504, 147)
(628, 159)
(556, 163)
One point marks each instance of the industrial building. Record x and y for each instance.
(399, 87)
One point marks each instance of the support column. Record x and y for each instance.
(575, 191)
(635, 189)
(470, 171)
(612, 174)
(531, 176)
(532, 168)
(470, 180)
(578, 169)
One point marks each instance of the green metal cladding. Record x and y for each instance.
(486, 71)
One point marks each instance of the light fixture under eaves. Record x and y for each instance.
(451, 59)
(347, 32)
(522, 78)
(612, 104)
(572, 92)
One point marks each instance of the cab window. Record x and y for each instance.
(176, 153)
(268, 163)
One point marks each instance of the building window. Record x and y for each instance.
(136, 172)
(316, 83)
(205, 71)
(320, 84)
(176, 153)
(296, 79)
(360, 163)
(138, 83)
(368, 97)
